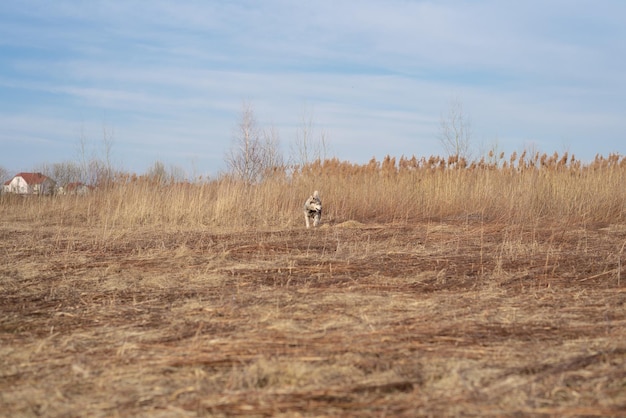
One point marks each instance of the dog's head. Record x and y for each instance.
(315, 206)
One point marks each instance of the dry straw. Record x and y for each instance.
(521, 189)
(441, 288)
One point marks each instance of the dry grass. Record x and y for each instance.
(131, 302)
(515, 191)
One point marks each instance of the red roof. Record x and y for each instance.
(32, 178)
(73, 185)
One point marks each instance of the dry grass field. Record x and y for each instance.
(488, 293)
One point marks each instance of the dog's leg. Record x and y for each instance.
(306, 219)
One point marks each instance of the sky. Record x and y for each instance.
(166, 81)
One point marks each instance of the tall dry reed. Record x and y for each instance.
(520, 189)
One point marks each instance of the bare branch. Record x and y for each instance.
(455, 131)
(307, 148)
(254, 152)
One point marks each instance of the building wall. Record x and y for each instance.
(18, 185)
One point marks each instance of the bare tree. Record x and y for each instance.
(307, 147)
(254, 152)
(159, 174)
(107, 145)
(244, 159)
(62, 173)
(4, 175)
(176, 173)
(455, 131)
(272, 157)
(96, 168)
(82, 154)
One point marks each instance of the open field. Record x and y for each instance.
(432, 288)
(447, 317)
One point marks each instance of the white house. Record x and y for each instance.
(29, 183)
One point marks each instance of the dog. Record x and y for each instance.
(313, 210)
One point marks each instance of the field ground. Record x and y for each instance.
(429, 319)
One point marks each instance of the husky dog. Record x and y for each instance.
(313, 209)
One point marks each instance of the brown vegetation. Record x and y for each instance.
(433, 287)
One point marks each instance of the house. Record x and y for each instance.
(75, 188)
(29, 183)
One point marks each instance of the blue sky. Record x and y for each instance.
(165, 81)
